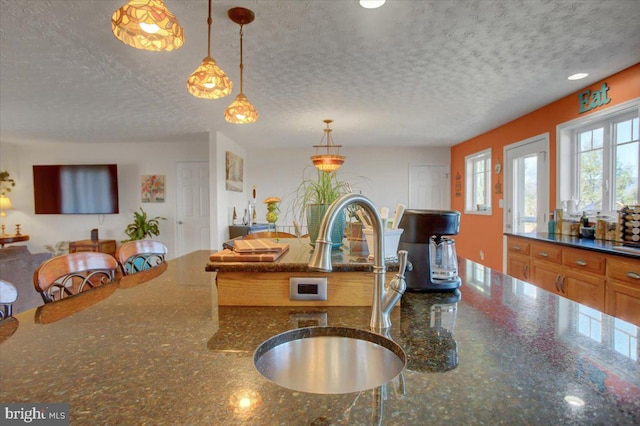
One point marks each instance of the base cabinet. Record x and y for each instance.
(606, 282)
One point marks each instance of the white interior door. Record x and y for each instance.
(429, 187)
(526, 185)
(192, 225)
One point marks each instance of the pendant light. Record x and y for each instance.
(331, 160)
(147, 25)
(241, 111)
(208, 81)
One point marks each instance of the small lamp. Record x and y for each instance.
(5, 204)
(331, 160)
(147, 25)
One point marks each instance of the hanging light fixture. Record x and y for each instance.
(241, 111)
(147, 25)
(332, 160)
(208, 81)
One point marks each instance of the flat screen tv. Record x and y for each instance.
(76, 189)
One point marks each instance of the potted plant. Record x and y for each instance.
(313, 197)
(142, 226)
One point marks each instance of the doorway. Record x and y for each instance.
(192, 211)
(526, 185)
(429, 187)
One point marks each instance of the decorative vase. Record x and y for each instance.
(315, 213)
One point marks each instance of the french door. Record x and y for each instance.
(527, 185)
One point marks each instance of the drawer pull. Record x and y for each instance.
(544, 254)
(516, 248)
(634, 275)
(562, 281)
(581, 262)
(556, 283)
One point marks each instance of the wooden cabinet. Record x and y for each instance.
(102, 246)
(518, 262)
(603, 281)
(622, 298)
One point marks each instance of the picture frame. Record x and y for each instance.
(234, 172)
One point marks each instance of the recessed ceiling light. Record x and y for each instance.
(371, 4)
(578, 76)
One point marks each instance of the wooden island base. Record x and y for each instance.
(272, 288)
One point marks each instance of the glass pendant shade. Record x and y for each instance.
(208, 81)
(147, 25)
(241, 111)
(331, 160)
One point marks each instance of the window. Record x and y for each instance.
(599, 158)
(478, 183)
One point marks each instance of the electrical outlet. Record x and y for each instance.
(481, 255)
(307, 288)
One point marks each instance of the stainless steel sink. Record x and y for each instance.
(329, 360)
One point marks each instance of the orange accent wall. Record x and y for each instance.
(484, 233)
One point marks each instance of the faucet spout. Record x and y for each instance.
(383, 299)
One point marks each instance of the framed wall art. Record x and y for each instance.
(152, 189)
(234, 172)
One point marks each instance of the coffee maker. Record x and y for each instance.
(434, 265)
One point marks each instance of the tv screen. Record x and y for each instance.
(76, 189)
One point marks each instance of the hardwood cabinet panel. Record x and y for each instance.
(623, 301)
(547, 276)
(584, 288)
(518, 266)
(584, 260)
(101, 246)
(518, 245)
(547, 252)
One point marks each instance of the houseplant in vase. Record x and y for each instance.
(143, 226)
(313, 197)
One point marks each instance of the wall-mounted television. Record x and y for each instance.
(76, 189)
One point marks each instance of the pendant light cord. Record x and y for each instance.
(241, 65)
(209, 32)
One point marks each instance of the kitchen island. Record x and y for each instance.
(499, 352)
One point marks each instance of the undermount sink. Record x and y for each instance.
(329, 360)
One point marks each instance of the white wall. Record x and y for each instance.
(133, 159)
(277, 172)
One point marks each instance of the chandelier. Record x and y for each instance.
(331, 160)
(241, 111)
(147, 25)
(208, 81)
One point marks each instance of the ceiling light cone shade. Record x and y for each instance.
(327, 162)
(208, 81)
(241, 111)
(147, 25)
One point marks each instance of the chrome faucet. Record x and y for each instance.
(384, 298)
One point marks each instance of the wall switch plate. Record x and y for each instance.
(307, 288)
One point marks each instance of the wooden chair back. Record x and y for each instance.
(71, 274)
(268, 234)
(140, 261)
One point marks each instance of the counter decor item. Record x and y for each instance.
(629, 219)
(312, 199)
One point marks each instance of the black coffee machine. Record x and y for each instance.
(434, 266)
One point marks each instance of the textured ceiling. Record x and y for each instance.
(412, 73)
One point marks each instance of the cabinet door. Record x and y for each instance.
(547, 276)
(518, 266)
(623, 301)
(586, 289)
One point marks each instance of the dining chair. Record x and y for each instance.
(72, 282)
(140, 261)
(8, 296)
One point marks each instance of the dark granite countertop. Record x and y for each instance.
(343, 259)
(500, 352)
(602, 246)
